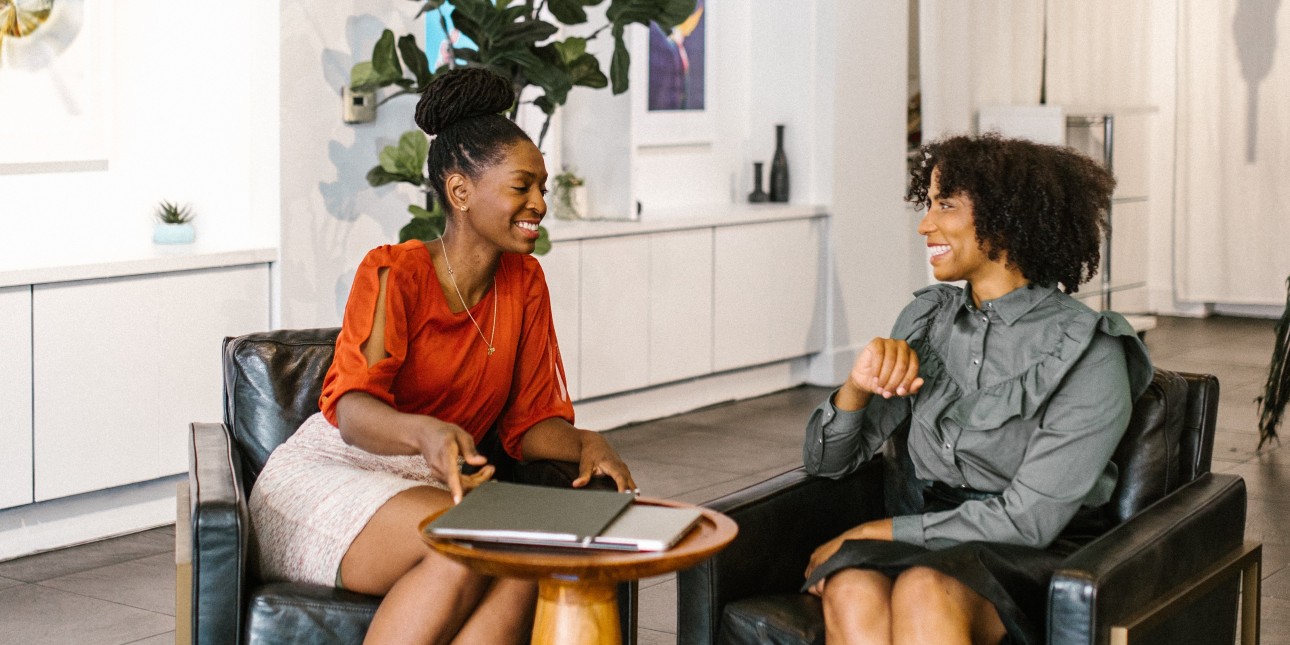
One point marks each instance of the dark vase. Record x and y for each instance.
(758, 195)
(779, 169)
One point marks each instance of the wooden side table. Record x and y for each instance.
(577, 598)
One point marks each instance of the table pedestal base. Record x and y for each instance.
(576, 612)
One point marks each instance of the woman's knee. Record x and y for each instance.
(857, 588)
(922, 586)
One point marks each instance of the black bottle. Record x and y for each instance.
(779, 169)
(758, 195)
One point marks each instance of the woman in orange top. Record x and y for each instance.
(441, 342)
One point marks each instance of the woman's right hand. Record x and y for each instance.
(441, 443)
(886, 367)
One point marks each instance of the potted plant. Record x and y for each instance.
(513, 39)
(174, 224)
(570, 196)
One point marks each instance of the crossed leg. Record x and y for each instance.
(921, 605)
(428, 597)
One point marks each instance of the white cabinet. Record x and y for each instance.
(680, 305)
(641, 306)
(614, 305)
(560, 266)
(122, 365)
(15, 396)
(769, 292)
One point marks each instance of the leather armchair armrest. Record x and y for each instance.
(1150, 556)
(781, 522)
(220, 533)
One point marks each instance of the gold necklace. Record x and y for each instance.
(487, 341)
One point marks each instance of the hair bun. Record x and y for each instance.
(462, 93)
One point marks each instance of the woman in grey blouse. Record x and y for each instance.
(1015, 396)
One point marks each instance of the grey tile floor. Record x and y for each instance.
(122, 590)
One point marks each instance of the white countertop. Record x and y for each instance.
(23, 266)
(682, 219)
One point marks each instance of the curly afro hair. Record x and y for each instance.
(1044, 206)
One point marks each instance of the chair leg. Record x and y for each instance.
(183, 568)
(1251, 590)
(1246, 561)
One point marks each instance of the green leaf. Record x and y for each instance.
(569, 12)
(543, 103)
(427, 6)
(422, 213)
(571, 48)
(619, 64)
(674, 12)
(585, 71)
(420, 229)
(379, 176)
(363, 77)
(543, 245)
(415, 60)
(413, 148)
(384, 59)
(527, 32)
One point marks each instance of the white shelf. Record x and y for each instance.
(25, 266)
(661, 221)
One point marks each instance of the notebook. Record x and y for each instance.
(516, 514)
(648, 528)
(530, 515)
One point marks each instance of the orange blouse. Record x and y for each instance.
(438, 365)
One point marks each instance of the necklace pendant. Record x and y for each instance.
(491, 349)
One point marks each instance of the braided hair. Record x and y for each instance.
(461, 109)
(1044, 206)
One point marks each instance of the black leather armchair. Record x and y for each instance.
(1179, 542)
(271, 384)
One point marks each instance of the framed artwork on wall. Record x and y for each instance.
(671, 82)
(55, 101)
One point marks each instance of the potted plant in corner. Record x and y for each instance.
(174, 224)
(570, 196)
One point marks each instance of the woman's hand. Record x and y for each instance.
(875, 530)
(446, 447)
(597, 457)
(886, 367)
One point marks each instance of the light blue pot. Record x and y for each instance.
(173, 233)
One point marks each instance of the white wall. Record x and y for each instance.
(874, 243)
(192, 110)
(330, 216)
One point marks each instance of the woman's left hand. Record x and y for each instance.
(599, 458)
(874, 530)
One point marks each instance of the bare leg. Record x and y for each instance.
(504, 616)
(857, 608)
(428, 597)
(931, 607)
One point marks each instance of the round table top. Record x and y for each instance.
(713, 532)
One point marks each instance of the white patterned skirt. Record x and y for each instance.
(316, 494)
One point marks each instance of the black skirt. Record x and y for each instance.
(1014, 578)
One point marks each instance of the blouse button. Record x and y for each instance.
(976, 361)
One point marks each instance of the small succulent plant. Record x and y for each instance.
(171, 213)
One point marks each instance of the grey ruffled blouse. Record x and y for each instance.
(1027, 396)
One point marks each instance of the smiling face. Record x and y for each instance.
(950, 228)
(505, 203)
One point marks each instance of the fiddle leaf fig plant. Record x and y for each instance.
(517, 39)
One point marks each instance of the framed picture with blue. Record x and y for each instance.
(672, 97)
